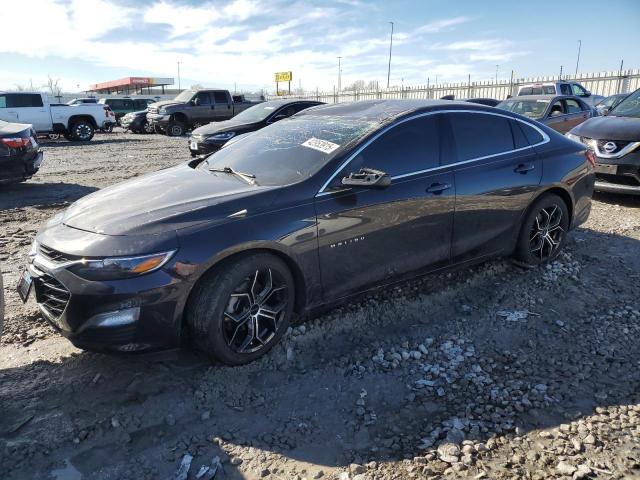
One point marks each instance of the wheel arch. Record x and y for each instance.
(74, 118)
(559, 191)
(181, 117)
(231, 255)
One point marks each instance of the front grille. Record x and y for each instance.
(619, 145)
(52, 296)
(56, 255)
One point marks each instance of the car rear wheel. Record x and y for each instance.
(175, 129)
(543, 232)
(239, 311)
(148, 128)
(82, 131)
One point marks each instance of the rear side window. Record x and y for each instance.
(23, 100)
(409, 147)
(479, 135)
(141, 104)
(533, 136)
(519, 139)
(220, 97)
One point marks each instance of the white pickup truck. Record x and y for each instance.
(75, 122)
(560, 88)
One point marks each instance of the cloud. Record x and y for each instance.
(223, 42)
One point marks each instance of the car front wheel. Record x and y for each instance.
(175, 129)
(82, 131)
(543, 232)
(240, 310)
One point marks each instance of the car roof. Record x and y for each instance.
(387, 110)
(279, 103)
(542, 97)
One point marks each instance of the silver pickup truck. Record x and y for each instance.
(74, 122)
(560, 88)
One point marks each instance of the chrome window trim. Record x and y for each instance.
(545, 139)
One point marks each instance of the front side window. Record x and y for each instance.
(3, 101)
(578, 91)
(409, 147)
(572, 106)
(556, 109)
(480, 135)
(629, 107)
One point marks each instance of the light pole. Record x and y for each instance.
(390, 48)
(339, 74)
(578, 60)
(179, 87)
(497, 66)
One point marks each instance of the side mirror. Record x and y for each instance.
(587, 93)
(367, 177)
(556, 113)
(603, 110)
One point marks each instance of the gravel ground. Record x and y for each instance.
(489, 372)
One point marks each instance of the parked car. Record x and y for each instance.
(194, 108)
(136, 122)
(20, 155)
(123, 105)
(489, 102)
(80, 101)
(615, 139)
(211, 137)
(332, 202)
(561, 113)
(560, 88)
(606, 105)
(74, 122)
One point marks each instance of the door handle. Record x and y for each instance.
(523, 169)
(438, 188)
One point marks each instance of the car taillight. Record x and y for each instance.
(106, 111)
(16, 142)
(591, 157)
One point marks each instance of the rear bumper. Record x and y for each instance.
(135, 124)
(22, 167)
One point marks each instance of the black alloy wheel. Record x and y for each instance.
(82, 131)
(148, 128)
(543, 232)
(240, 309)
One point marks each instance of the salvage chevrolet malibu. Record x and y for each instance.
(334, 201)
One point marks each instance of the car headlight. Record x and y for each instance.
(573, 137)
(115, 268)
(162, 111)
(222, 136)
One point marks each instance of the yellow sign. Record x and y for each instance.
(284, 76)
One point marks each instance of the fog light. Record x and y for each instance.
(115, 319)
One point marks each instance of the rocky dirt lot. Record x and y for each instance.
(490, 372)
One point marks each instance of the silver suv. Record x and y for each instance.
(560, 88)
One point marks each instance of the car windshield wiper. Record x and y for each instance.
(247, 177)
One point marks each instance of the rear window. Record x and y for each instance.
(541, 90)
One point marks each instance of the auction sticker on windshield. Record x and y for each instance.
(323, 146)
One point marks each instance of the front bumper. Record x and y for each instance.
(204, 147)
(159, 120)
(135, 314)
(619, 175)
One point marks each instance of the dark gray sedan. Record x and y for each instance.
(560, 112)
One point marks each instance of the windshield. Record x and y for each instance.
(185, 96)
(291, 150)
(629, 107)
(529, 108)
(256, 113)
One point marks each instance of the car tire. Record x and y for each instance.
(543, 232)
(82, 131)
(253, 292)
(175, 129)
(147, 128)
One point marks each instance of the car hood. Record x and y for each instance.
(170, 199)
(610, 128)
(227, 125)
(165, 104)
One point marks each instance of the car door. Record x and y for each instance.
(202, 111)
(370, 236)
(224, 108)
(556, 116)
(496, 173)
(575, 114)
(30, 109)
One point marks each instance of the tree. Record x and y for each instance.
(54, 87)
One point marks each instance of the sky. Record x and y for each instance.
(242, 43)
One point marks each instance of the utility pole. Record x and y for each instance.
(560, 73)
(179, 87)
(339, 74)
(578, 60)
(390, 48)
